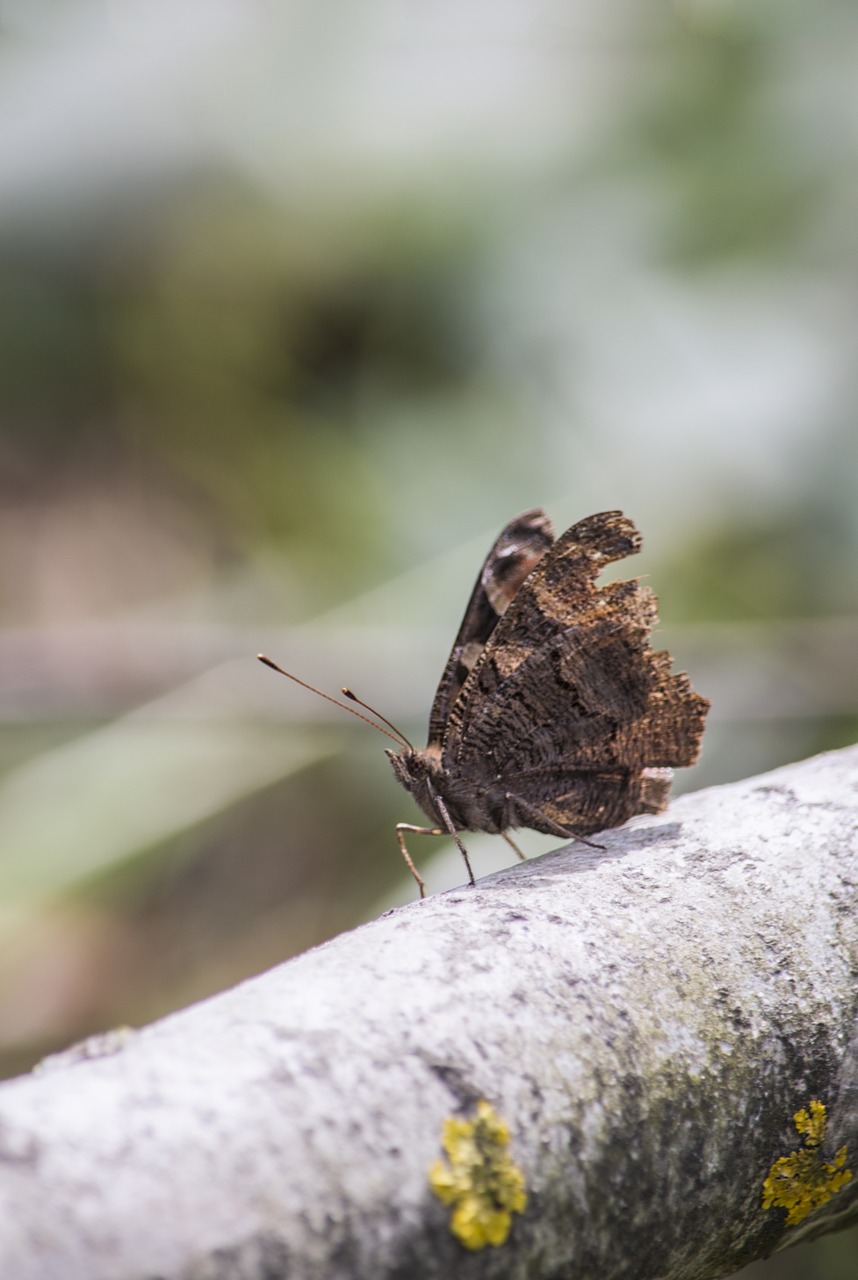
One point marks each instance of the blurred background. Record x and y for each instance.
(299, 303)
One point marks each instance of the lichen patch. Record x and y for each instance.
(479, 1178)
(803, 1181)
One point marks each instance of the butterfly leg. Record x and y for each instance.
(447, 829)
(402, 827)
(514, 846)
(448, 823)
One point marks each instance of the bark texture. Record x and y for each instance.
(646, 1019)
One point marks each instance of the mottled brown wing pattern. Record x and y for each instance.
(580, 803)
(516, 551)
(599, 696)
(558, 594)
(568, 706)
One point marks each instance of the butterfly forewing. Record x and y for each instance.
(516, 551)
(559, 594)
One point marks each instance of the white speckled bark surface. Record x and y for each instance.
(646, 1019)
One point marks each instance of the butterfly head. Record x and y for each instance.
(414, 768)
(410, 766)
(433, 789)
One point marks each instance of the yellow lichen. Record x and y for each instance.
(803, 1181)
(479, 1178)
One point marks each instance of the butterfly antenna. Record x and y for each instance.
(373, 712)
(400, 739)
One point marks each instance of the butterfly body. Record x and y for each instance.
(552, 712)
(486, 809)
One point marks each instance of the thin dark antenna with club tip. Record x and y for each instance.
(397, 737)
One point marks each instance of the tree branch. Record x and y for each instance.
(647, 1020)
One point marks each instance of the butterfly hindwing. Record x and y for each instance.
(570, 696)
(580, 802)
(597, 695)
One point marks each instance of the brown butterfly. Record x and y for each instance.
(552, 712)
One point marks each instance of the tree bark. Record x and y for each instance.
(647, 1019)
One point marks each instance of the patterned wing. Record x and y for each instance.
(581, 803)
(559, 594)
(517, 550)
(596, 695)
(569, 709)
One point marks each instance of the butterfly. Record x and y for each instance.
(553, 712)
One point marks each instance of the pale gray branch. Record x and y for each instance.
(647, 1019)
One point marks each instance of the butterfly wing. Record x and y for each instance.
(568, 708)
(564, 802)
(587, 731)
(517, 549)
